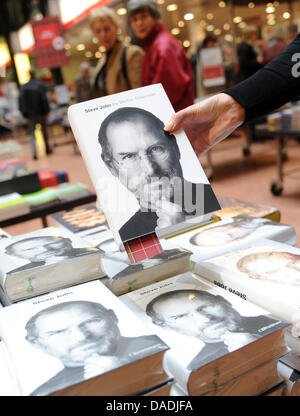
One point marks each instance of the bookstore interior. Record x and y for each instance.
(112, 203)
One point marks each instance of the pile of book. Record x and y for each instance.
(215, 313)
(13, 205)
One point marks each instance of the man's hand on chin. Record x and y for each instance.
(168, 213)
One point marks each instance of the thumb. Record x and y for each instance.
(174, 122)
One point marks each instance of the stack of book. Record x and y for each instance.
(43, 261)
(13, 205)
(231, 207)
(231, 347)
(78, 341)
(12, 167)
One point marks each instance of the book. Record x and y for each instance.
(231, 207)
(80, 340)
(289, 369)
(80, 219)
(265, 272)
(213, 335)
(279, 390)
(42, 198)
(70, 191)
(162, 390)
(3, 234)
(123, 277)
(230, 234)
(254, 382)
(12, 167)
(13, 205)
(45, 260)
(146, 180)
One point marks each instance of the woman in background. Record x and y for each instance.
(119, 68)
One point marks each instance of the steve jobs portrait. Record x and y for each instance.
(146, 160)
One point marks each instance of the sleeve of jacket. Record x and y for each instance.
(170, 71)
(272, 86)
(134, 65)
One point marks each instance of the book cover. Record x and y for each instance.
(213, 335)
(80, 341)
(124, 276)
(231, 207)
(45, 260)
(80, 219)
(146, 180)
(230, 234)
(265, 272)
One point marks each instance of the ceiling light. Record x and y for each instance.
(276, 3)
(188, 16)
(228, 37)
(226, 26)
(242, 25)
(186, 43)
(286, 15)
(270, 9)
(222, 4)
(180, 23)
(67, 46)
(175, 31)
(160, 1)
(209, 16)
(251, 5)
(95, 40)
(80, 47)
(89, 54)
(172, 7)
(237, 19)
(101, 49)
(210, 28)
(202, 23)
(121, 11)
(217, 32)
(98, 54)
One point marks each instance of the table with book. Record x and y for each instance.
(214, 313)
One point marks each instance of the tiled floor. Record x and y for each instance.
(237, 176)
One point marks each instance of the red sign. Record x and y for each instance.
(49, 42)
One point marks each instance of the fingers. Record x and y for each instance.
(175, 121)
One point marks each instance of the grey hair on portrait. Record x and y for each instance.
(99, 309)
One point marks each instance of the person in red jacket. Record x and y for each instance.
(165, 60)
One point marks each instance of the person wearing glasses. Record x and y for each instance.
(208, 317)
(42, 250)
(86, 338)
(146, 160)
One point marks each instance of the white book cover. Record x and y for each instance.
(71, 335)
(228, 235)
(146, 180)
(43, 260)
(199, 322)
(264, 272)
(116, 265)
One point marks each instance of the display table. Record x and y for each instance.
(281, 135)
(42, 212)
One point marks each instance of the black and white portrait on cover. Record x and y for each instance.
(42, 250)
(146, 160)
(207, 317)
(85, 336)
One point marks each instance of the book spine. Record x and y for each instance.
(234, 283)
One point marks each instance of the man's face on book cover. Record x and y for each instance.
(143, 160)
(205, 317)
(74, 333)
(280, 267)
(40, 248)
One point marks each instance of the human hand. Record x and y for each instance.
(209, 121)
